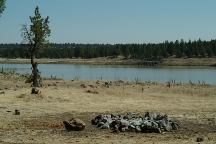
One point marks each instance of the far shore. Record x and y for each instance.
(116, 61)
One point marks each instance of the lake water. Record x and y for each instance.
(128, 73)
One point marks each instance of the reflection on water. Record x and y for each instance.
(128, 73)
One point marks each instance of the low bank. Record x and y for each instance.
(119, 61)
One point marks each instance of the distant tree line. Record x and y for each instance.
(178, 49)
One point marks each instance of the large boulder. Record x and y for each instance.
(74, 124)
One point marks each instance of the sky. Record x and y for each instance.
(114, 21)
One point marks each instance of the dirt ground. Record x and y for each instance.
(41, 116)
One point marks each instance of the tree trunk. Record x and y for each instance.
(36, 79)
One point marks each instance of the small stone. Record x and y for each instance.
(136, 122)
(2, 92)
(100, 124)
(92, 86)
(105, 126)
(174, 126)
(138, 129)
(165, 125)
(83, 86)
(199, 139)
(96, 120)
(129, 115)
(17, 112)
(35, 91)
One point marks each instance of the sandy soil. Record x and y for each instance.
(40, 121)
(118, 61)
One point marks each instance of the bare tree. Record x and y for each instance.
(36, 37)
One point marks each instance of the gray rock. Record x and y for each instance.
(136, 122)
(138, 129)
(105, 126)
(164, 124)
(150, 116)
(124, 122)
(174, 125)
(129, 116)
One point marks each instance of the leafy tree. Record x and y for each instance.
(2, 6)
(36, 37)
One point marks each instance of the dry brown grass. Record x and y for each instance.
(41, 117)
(189, 62)
(117, 61)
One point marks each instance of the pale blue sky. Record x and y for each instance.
(114, 21)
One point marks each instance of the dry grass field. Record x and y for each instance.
(41, 116)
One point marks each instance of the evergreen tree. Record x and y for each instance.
(36, 36)
(2, 6)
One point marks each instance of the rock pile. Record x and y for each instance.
(149, 123)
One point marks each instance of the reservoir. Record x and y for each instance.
(117, 72)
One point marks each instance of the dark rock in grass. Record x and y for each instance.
(2, 92)
(150, 127)
(92, 91)
(17, 112)
(74, 124)
(83, 86)
(129, 116)
(199, 139)
(175, 126)
(35, 91)
(149, 123)
(96, 120)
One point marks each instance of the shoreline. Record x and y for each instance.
(136, 82)
(118, 61)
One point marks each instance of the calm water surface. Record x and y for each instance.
(128, 73)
